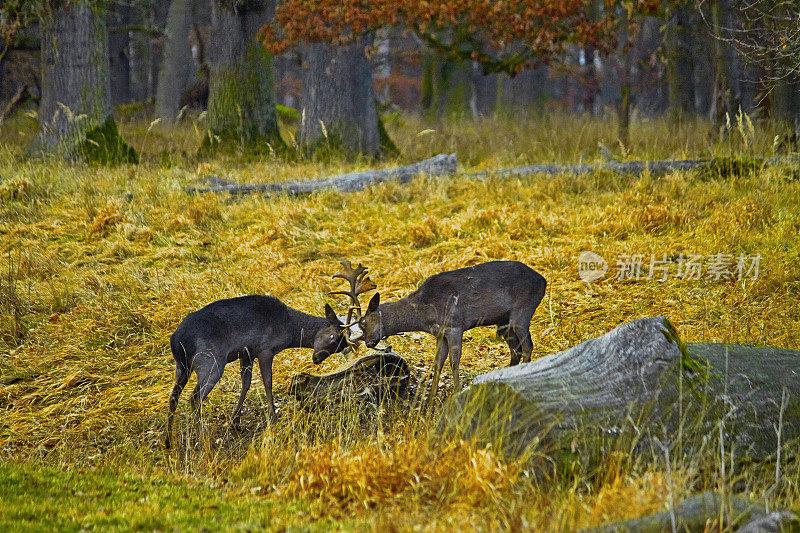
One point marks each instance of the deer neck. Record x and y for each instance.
(305, 328)
(401, 316)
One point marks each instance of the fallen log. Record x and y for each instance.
(639, 381)
(371, 378)
(442, 165)
(656, 168)
(439, 165)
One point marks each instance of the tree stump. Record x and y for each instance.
(704, 512)
(639, 381)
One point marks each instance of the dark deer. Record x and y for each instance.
(498, 293)
(359, 284)
(245, 328)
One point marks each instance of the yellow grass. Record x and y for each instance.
(99, 265)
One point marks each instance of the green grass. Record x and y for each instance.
(98, 265)
(37, 498)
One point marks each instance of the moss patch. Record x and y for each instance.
(103, 145)
(388, 148)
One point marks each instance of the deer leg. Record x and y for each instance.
(514, 346)
(209, 371)
(265, 366)
(455, 342)
(520, 328)
(246, 371)
(438, 364)
(181, 378)
(526, 343)
(507, 332)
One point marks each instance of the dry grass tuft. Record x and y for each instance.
(16, 189)
(407, 471)
(105, 220)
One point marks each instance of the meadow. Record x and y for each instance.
(100, 264)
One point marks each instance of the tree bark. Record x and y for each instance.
(680, 65)
(338, 100)
(241, 102)
(177, 67)
(448, 86)
(118, 53)
(484, 92)
(527, 91)
(728, 89)
(625, 53)
(75, 119)
(139, 60)
(704, 67)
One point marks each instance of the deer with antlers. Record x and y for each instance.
(499, 293)
(247, 328)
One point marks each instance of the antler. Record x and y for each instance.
(359, 284)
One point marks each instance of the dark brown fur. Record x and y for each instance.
(498, 293)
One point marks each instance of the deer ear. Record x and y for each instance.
(330, 314)
(374, 303)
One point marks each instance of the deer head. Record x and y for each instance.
(371, 323)
(337, 335)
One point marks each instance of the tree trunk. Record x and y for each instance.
(484, 92)
(75, 119)
(338, 100)
(680, 67)
(140, 51)
(241, 101)
(704, 75)
(158, 16)
(452, 87)
(784, 100)
(177, 68)
(625, 53)
(426, 84)
(639, 381)
(118, 53)
(525, 92)
(728, 73)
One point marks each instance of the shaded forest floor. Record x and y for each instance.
(99, 265)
